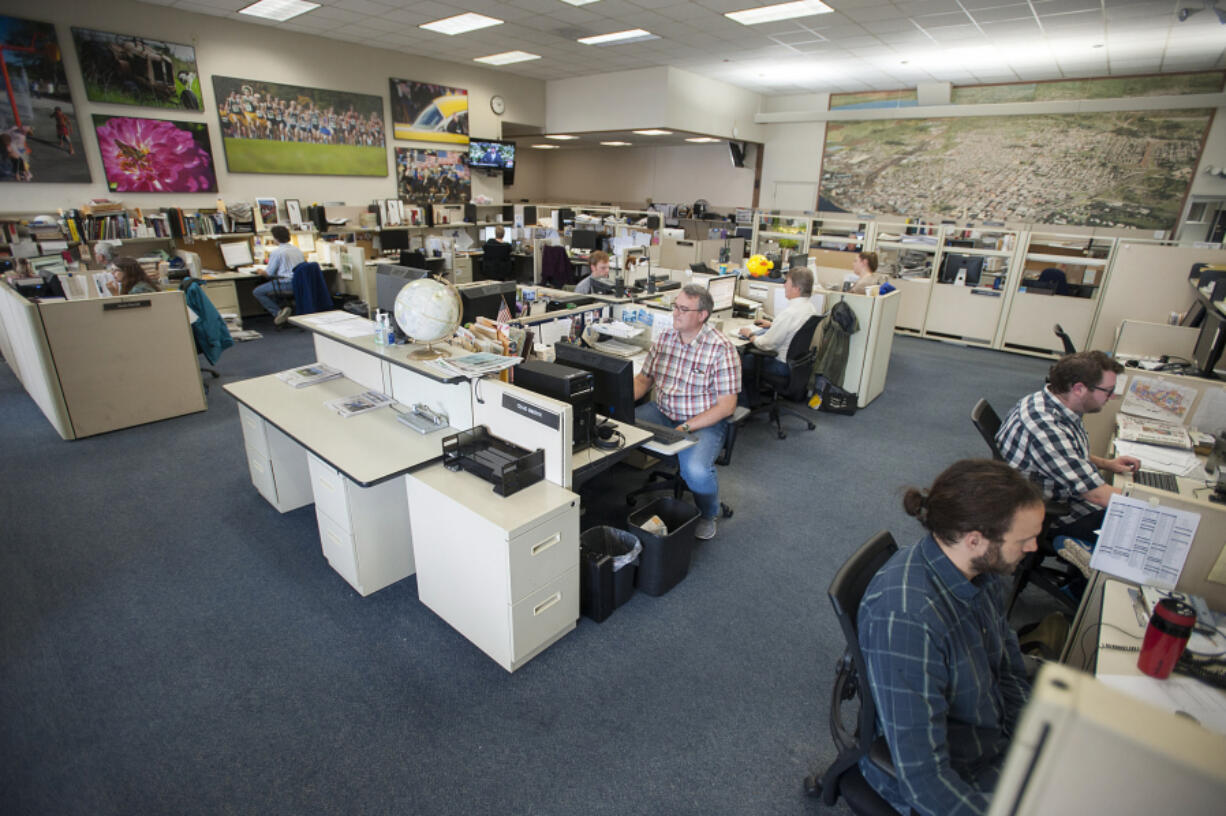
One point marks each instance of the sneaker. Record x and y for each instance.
(283, 315)
(1076, 553)
(705, 529)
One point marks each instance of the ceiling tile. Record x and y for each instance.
(1016, 11)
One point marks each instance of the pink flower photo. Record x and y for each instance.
(155, 155)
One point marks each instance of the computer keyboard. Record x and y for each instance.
(662, 433)
(1153, 478)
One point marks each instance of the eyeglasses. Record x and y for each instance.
(679, 308)
(1110, 392)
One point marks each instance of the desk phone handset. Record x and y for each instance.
(422, 419)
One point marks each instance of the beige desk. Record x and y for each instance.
(231, 292)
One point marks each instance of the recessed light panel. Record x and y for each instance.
(702, 140)
(461, 23)
(616, 144)
(630, 35)
(654, 132)
(545, 147)
(507, 57)
(279, 10)
(781, 11)
(561, 137)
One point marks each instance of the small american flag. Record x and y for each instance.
(504, 313)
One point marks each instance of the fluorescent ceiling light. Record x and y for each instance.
(507, 57)
(618, 37)
(782, 11)
(461, 23)
(702, 140)
(654, 132)
(580, 2)
(616, 144)
(545, 147)
(279, 10)
(561, 137)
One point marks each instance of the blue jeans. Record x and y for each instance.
(264, 292)
(697, 462)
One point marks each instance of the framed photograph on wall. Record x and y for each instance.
(429, 113)
(268, 127)
(293, 212)
(37, 116)
(433, 176)
(123, 69)
(155, 155)
(266, 212)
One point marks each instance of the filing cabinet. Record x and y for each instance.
(278, 464)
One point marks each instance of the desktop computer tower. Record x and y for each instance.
(565, 384)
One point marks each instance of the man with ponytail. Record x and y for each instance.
(945, 668)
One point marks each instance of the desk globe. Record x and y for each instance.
(428, 311)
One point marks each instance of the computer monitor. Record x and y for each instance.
(584, 239)
(612, 379)
(389, 280)
(723, 291)
(1210, 343)
(955, 263)
(393, 240)
(486, 299)
(964, 243)
(235, 254)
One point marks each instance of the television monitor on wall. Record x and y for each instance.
(492, 154)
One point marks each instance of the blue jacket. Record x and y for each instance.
(310, 291)
(210, 331)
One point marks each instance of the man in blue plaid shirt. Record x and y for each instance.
(1044, 438)
(945, 669)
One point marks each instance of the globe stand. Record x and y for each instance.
(429, 353)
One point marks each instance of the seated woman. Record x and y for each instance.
(866, 268)
(130, 278)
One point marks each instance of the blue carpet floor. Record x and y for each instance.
(169, 643)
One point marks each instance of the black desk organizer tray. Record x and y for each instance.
(507, 466)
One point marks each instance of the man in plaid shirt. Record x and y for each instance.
(1044, 438)
(696, 373)
(946, 673)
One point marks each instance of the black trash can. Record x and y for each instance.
(606, 574)
(665, 560)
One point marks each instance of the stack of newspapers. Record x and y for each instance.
(312, 374)
(473, 366)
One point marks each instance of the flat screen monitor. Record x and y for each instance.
(236, 254)
(965, 243)
(1210, 343)
(955, 263)
(584, 239)
(485, 299)
(491, 153)
(612, 379)
(745, 232)
(389, 280)
(723, 290)
(393, 239)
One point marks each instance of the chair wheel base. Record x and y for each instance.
(813, 786)
(782, 434)
(812, 426)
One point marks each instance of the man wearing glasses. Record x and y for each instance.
(696, 373)
(1044, 438)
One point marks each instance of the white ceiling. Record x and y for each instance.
(863, 45)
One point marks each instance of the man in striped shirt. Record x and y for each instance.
(1044, 438)
(696, 374)
(946, 672)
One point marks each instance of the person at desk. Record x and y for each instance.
(130, 278)
(696, 373)
(946, 672)
(499, 234)
(1044, 437)
(865, 267)
(598, 282)
(280, 274)
(798, 288)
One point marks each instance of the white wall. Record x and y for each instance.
(529, 177)
(625, 100)
(792, 155)
(262, 52)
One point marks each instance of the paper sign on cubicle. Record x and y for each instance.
(1144, 543)
(1156, 398)
(1210, 416)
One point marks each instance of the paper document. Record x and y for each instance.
(1144, 543)
(1152, 432)
(1155, 398)
(618, 329)
(1165, 460)
(1210, 416)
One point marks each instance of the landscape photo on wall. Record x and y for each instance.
(155, 155)
(125, 69)
(270, 127)
(429, 113)
(433, 176)
(39, 137)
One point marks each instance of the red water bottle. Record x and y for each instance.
(1166, 636)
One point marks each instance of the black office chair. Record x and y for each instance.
(669, 477)
(1043, 567)
(1069, 348)
(851, 688)
(793, 388)
(496, 262)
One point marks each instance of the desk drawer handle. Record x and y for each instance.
(546, 544)
(323, 481)
(548, 602)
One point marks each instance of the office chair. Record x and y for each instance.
(669, 478)
(792, 388)
(496, 262)
(1051, 578)
(209, 331)
(1059, 331)
(851, 686)
(1051, 278)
